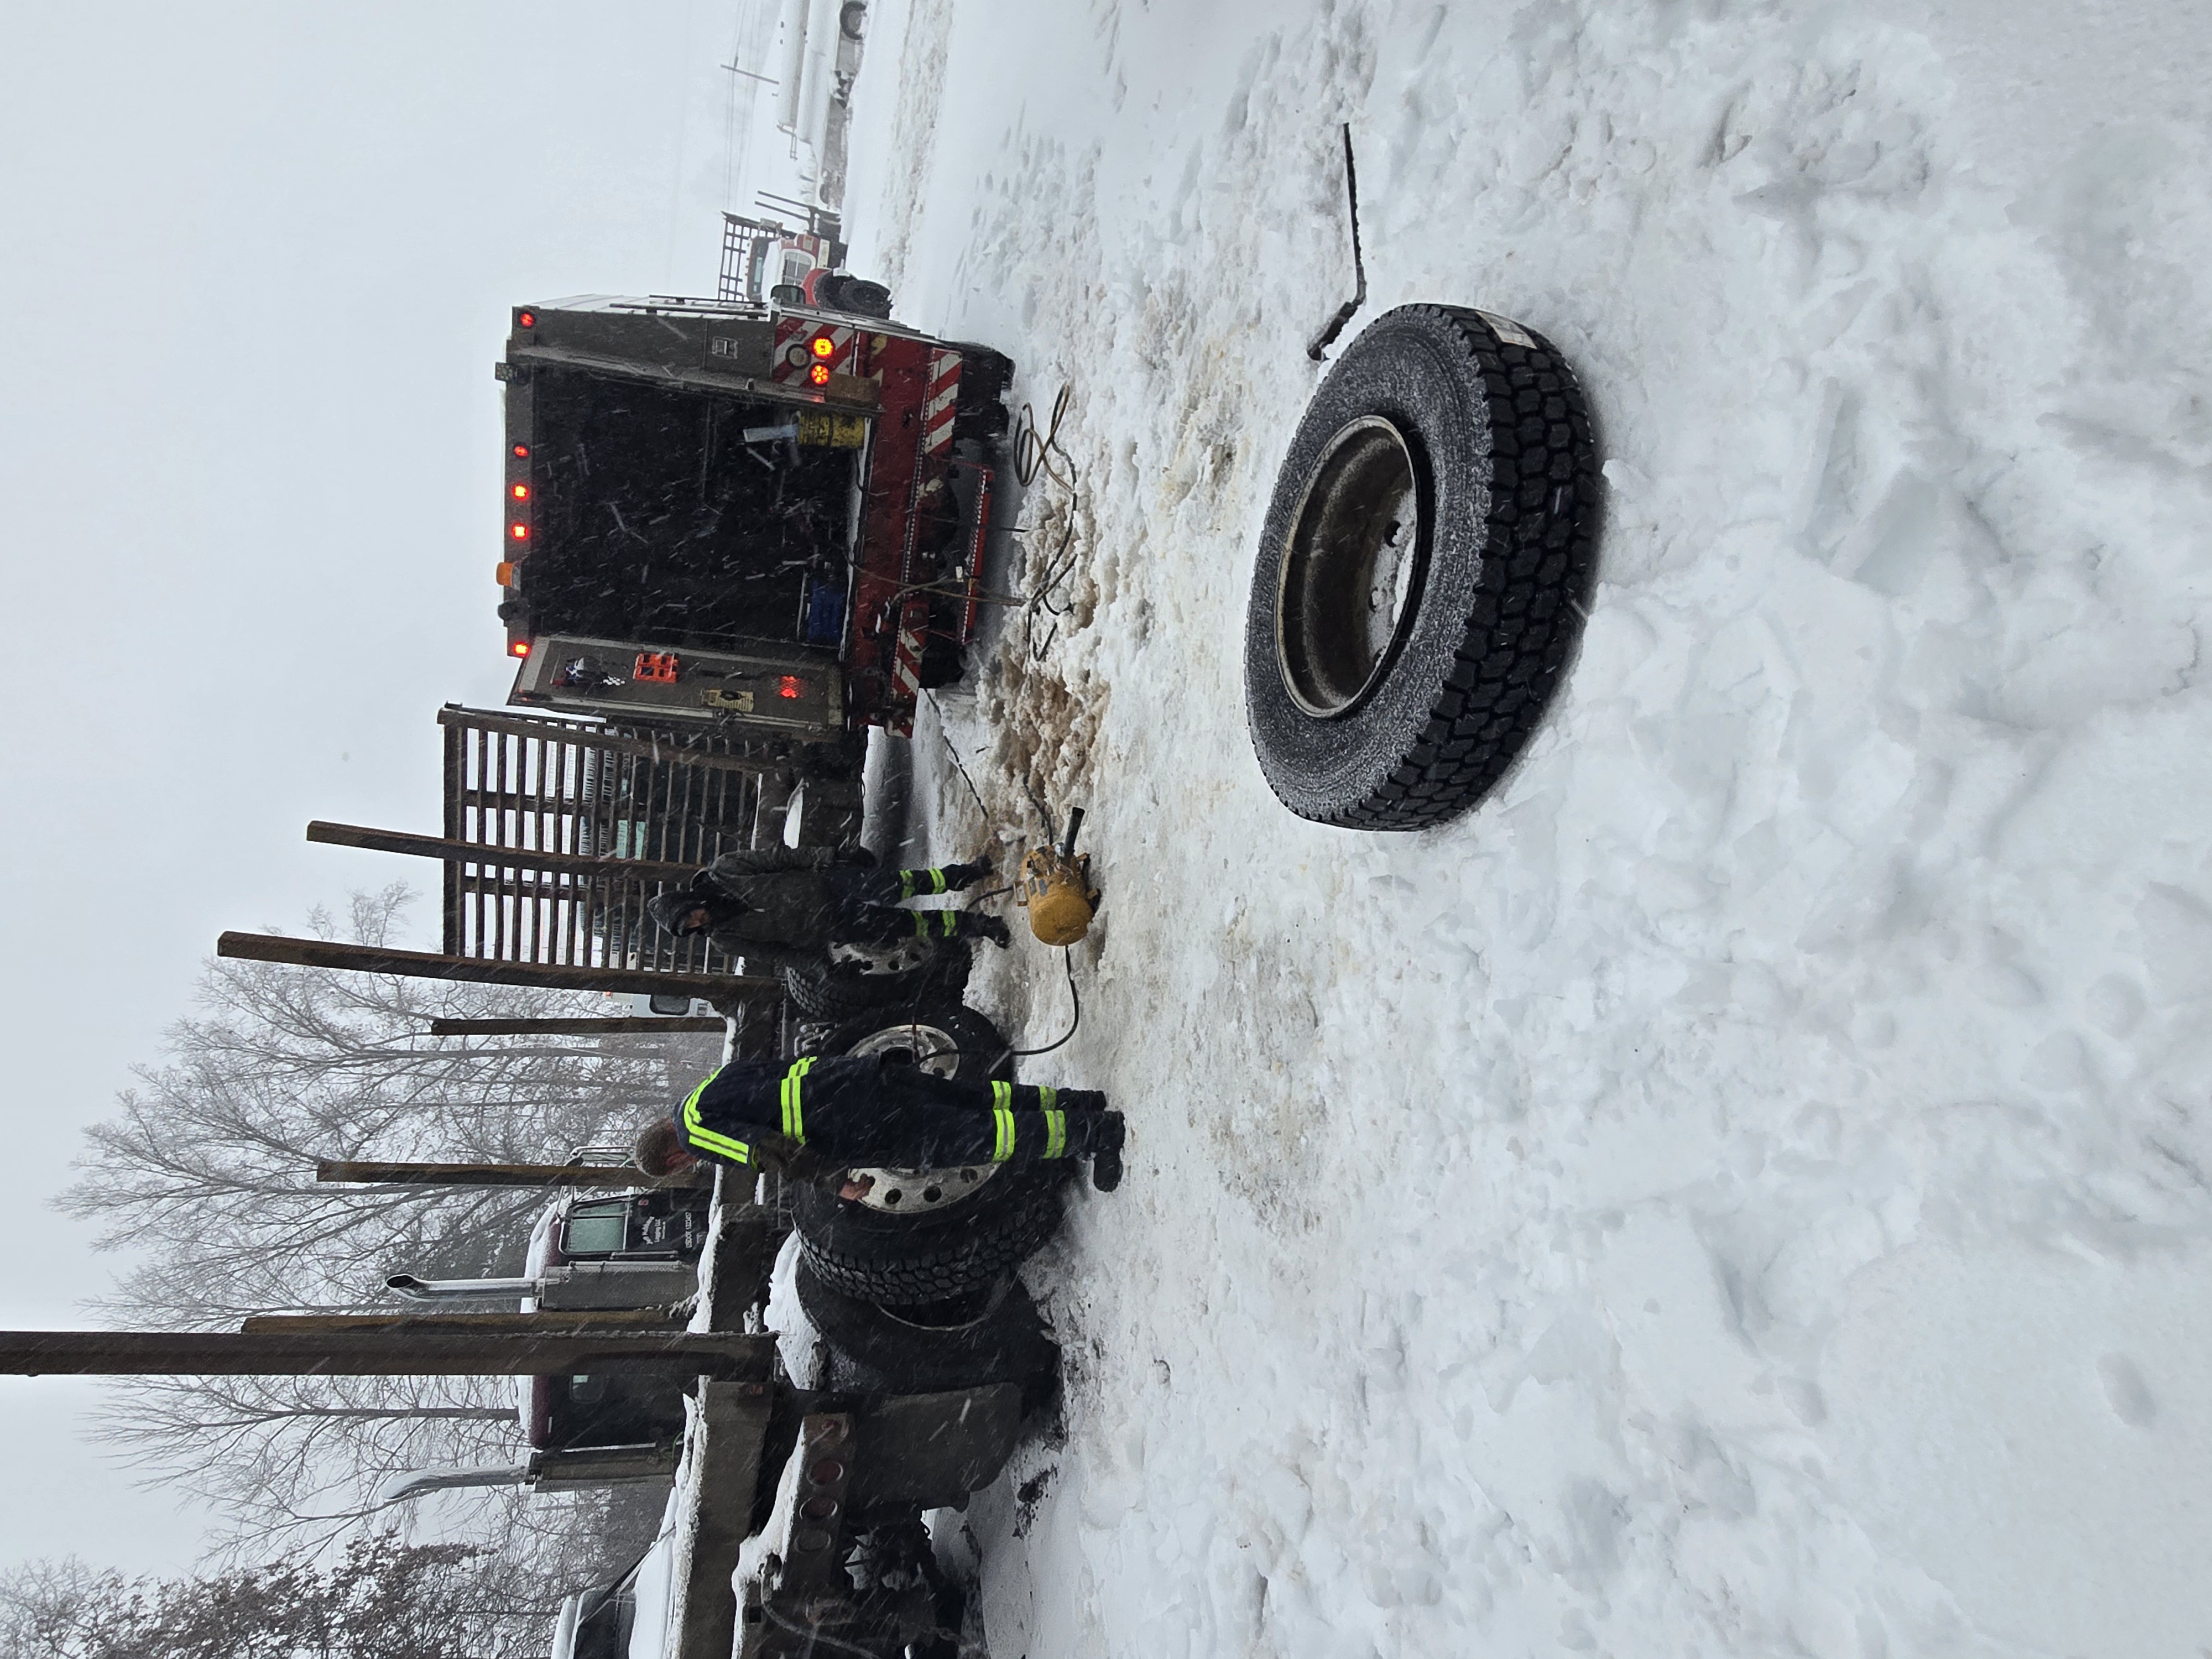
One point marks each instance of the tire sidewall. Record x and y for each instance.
(874, 1348)
(824, 993)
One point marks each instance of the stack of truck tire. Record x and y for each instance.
(914, 1289)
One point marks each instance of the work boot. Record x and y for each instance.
(1082, 1100)
(1106, 1139)
(983, 925)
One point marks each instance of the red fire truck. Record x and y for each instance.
(754, 516)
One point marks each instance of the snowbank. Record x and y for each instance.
(1744, 1188)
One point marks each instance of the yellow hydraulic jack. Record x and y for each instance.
(1055, 886)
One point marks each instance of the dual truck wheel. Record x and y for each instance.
(912, 1289)
(1422, 572)
(923, 1237)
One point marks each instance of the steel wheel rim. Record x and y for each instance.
(917, 1192)
(1350, 576)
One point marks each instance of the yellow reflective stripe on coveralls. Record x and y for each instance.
(951, 921)
(906, 884)
(707, 1139)
(794, 1108)
(1055, 1121)
(1002, 1120)
(937, 877)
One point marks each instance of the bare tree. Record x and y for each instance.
(381, 1598)
(206, 1175)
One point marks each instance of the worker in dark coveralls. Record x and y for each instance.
(819, 1118)
(778, 908)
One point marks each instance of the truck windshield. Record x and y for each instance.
(658, 517)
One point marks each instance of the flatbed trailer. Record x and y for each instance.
(761, 518)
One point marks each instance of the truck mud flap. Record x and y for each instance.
(933, 1449)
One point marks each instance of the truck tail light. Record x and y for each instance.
(521, 492)
(518, 648)
(824, 346)
(791, 686)
(525, 319)
(522, 452)
(819, 374)
(519, 531)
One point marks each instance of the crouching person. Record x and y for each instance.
(778, 908)
(820, 1118)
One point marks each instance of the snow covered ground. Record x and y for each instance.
(1744, 1189)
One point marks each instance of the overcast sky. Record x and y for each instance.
(255, 265)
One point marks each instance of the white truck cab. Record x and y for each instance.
(627, 1619)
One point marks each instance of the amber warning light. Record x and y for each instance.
(822, 347)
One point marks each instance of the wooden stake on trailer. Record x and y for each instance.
(577, 1321)
(557, 1350)
(674, 874)
(624, 1026)
(484, 971)
(611, 1176)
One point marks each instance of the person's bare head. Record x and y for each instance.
(659, 1149)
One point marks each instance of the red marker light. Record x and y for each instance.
(525, 319)
(519, 531)
(520, 648)
(791, 686)
(819, 374)
(824, 346)
(522, 452)
(521, 492)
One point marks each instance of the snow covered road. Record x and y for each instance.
(1744, 1189)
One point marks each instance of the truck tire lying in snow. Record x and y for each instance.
(921, 1236)
(1421, 571)
(992, 1335)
